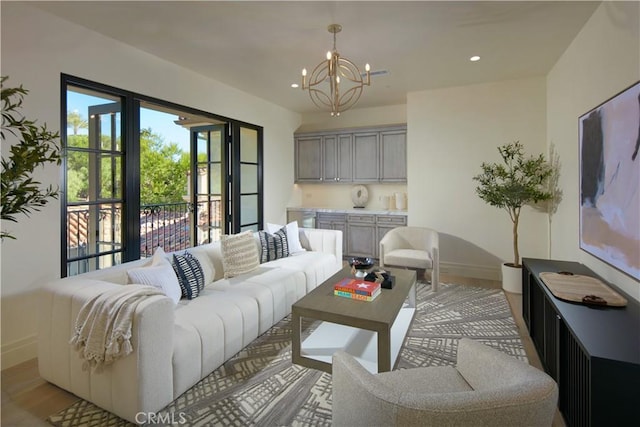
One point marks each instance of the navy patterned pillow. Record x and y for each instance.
(190, 275)
(273, 246)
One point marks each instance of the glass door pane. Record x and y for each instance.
(93, 181)
(250, 197)
(165, 167)
(209, 183)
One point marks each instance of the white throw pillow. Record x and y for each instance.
(293, 235)
(159, 274)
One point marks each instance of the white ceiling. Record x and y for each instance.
(261, 47)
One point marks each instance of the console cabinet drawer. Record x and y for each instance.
(364, 219)
(395, 220)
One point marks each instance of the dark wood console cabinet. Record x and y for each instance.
(592, 353)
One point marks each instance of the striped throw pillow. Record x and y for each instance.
(190, 275)
(239, 253)
(273, 246)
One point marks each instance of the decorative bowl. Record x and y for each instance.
(361, 264)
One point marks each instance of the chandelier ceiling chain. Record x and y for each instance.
(337, 82)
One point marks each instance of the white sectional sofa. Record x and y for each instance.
(175, 346)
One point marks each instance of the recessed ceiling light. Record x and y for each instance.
(295, 85)
(474, 58)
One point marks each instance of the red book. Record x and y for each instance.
(357, 286)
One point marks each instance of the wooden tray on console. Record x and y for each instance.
(575, 287)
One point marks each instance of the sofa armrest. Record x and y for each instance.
(320, 240)
(139, 382)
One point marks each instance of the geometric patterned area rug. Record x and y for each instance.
(261, 387)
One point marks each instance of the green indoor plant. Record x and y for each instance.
(35, 146)
(513, 183)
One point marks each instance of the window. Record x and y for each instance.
(141, 173)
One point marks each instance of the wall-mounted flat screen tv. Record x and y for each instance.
(609, 138)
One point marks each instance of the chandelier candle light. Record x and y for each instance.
(335, 71)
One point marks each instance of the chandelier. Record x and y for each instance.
(337, 82)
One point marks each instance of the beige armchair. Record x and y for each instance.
(486, 388)
(414, 248)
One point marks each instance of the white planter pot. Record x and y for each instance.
(512, 279)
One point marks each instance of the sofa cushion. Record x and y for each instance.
(293, 235)
(190, 275)
(273, 246)
(411, 258)
(275, 289)
(158, 274)
(203, 254)
(209, 330)
(316, 266)
(239, 253)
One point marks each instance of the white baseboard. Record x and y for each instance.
(19, 351)
(470, 270)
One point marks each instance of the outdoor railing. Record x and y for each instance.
(161, 224)
(165, 225)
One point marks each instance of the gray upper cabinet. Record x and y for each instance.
(393, 152)
(345, 158)
(308, 159)
(366, 157)
(352, 155)
(329, 155)
(336, 158)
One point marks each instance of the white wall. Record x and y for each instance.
(358, 117)
(36, 48)
(602, 60)
(451, 132)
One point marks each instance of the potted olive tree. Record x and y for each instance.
(509, 185)
(33, 146)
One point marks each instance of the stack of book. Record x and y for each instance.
(357, 289)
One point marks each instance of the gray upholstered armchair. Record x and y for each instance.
(412, 247)
(486, 388)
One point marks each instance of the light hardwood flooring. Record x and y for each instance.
(27, 400)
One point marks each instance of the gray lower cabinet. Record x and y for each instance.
(364, 231)
(361, 230)
(361, 233)
(334, 221)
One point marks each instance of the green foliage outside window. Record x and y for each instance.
(163, 178)
(163, 175)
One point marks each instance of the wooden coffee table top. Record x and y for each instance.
(322, 304)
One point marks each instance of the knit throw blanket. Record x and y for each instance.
(103, 326)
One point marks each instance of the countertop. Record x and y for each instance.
(350, 211)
